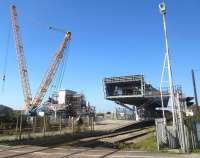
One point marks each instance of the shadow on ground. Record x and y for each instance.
(49, 141)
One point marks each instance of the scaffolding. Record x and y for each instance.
(134, 91)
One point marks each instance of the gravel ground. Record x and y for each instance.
(107, 125)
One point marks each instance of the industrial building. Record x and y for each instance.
(68, 103)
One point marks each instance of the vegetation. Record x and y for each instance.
(196, 116)
(148, 144)
(196, 151)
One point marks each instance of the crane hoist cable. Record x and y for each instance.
(57, 29)
(57, 77)
(65, 58)
(5, 61)
(60, 75)
(53, 88)
(57, 82)
(50, 73)
(42, 24)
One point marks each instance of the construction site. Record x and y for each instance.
(143, 119)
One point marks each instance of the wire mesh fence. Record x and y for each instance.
(25, 127)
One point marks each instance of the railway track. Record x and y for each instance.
(125, 135)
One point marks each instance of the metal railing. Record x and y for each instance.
(124, 79)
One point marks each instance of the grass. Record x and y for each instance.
(196, 151)
(148, 144)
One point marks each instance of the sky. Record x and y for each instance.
(109, 38)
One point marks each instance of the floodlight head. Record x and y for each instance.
(162, 8)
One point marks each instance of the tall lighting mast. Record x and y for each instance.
(194, 88)
(167, 65)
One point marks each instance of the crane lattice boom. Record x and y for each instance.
(48, 77)
(21, 59)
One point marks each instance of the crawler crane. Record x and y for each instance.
(31, 105)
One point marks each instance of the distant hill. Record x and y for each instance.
(5, 111)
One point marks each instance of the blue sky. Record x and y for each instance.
(109, 38)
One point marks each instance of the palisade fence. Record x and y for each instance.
(25, 127)
(185, 136)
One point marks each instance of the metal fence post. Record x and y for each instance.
(20, 126)
(17, 124)
(73, 125)
(60, 127)
(157, 138)
(44, 125)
